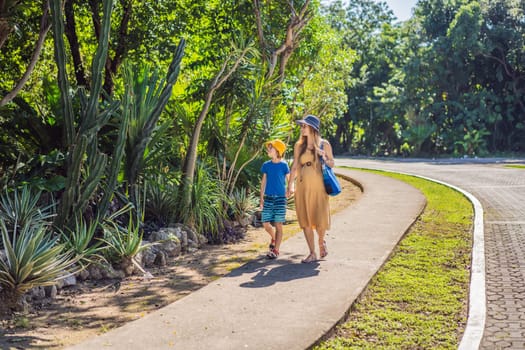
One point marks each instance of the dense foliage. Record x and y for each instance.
(156, 112)
(448, 81)
(163, 107)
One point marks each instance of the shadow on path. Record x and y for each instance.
(267, 274)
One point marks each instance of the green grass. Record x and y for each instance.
(517, 166)
(418, 299)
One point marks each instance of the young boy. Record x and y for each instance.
(276, 173)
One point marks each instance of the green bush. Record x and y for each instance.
(20, 207)
(123, 243)
(33, 259)
(161, 201)
(82, 243)
(242, 203)
(206, 211)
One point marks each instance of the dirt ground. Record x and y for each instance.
(95, 307)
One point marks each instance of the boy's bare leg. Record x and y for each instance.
(268, 227)
(278, 234)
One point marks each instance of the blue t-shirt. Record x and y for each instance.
(275, 177)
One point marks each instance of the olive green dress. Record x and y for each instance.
(311, 201)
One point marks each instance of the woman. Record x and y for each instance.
(311, 200)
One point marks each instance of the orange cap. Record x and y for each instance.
(278, 145)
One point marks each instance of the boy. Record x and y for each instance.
(276, 173)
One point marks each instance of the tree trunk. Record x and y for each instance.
(5, 30)
(188, 173)
(11, 301)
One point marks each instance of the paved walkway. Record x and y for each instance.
(283, 304)
(501, 191)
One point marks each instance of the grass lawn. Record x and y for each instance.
(419, 298)
(517, 166)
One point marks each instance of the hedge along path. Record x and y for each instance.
(83, 313)
(419, 298)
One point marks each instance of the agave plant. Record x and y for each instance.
(21, 207)
(81, 241)
(123, 243)
(33, 258)
(242, 204)
(161, 200)
(205, 212)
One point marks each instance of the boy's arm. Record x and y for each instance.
(263, 187)
(287, 181)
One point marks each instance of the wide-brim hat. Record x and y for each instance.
(310, 120)
(278, 145)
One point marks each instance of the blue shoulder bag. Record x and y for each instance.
(331, 184)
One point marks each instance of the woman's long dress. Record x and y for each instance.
(311, 201)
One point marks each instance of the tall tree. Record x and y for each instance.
(366, 28)
(275, 52)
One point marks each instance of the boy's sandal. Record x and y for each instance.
(310, 258)
(273, 254)
(272, 244)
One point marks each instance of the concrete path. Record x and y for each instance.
(501, 191)
(283, 304)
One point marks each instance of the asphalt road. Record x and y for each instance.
(501, 191)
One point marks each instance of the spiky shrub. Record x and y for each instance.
(20, 207)
(242, 204)
(123, 243)
(161, 200)
(32, 259)
(205, 212)
(81, 241)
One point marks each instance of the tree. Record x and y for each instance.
(365, 27)
(275, 53)
(501, 44)
(471, 75)
(272, 54)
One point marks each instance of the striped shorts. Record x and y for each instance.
(274, 209)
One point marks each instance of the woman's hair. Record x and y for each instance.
(303, 144)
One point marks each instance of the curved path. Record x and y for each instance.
(501, 191)
(283, 304)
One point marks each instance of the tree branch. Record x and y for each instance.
(45, 25)
(260, 32)
(113, 64)
(74, 46)
(294, 27)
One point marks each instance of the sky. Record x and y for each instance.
(402, 8)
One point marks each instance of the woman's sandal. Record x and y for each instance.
(310, 258)
(324, 250)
